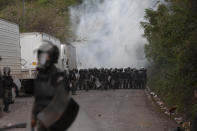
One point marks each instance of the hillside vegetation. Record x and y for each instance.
(171, 32)
(49, 16)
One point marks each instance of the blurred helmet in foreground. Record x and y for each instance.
(47, 54)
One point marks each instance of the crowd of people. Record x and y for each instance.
(88, 79)
(83, 79)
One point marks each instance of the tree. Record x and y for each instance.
(171, 32)
(48, 16)
(4, 3)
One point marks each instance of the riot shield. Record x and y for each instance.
(56, 108)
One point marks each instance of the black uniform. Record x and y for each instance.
(8, 84)
(81, 79)
(45, 88)
(48, 83)
(86, 81)
(116, 78)
(131, 79)
(73, 79)
(109, 80)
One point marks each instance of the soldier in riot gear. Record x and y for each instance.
(136, 80)
(92, 79)
(119, 75)
(80, 79)
(105, 79)
(125, 79)
(77, 76)
(109, 79)
(48, 82)
(44, 87)
(142, 78)
(54, 109)
(114, 79)
(73, 83)
(97, 81)
(131, 78)
(102, 78)
(87, 80)
(8, 84)
(119, 78)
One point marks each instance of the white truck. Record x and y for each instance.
(18, 51)
(31, 41)
(10, 48)
(10, 52)
(29, 44)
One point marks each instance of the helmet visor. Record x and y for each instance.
(43, 57)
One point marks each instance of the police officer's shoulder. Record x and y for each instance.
(60, 76)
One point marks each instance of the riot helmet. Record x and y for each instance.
(6, 71)
(47, 55)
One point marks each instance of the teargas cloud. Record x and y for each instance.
(110, 33)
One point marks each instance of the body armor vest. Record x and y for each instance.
(44, 92)
(45, 88)
(7, 82)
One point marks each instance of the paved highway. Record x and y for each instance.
(119, 110)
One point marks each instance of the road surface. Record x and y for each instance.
(119, 110)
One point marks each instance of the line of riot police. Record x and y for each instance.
(88, 79)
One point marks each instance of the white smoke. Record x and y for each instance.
(110, 32)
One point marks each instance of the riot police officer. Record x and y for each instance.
(81, 77)
(73, 80)
(8, 84)
(48, 81)
(54, 109)
(86, 81)
(131, 78)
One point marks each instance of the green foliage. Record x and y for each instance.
(49, 16)
(4, 3)
(43, 2)
(171, 32)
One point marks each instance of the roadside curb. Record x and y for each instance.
(167, 112)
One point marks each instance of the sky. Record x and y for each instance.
(109, 32)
